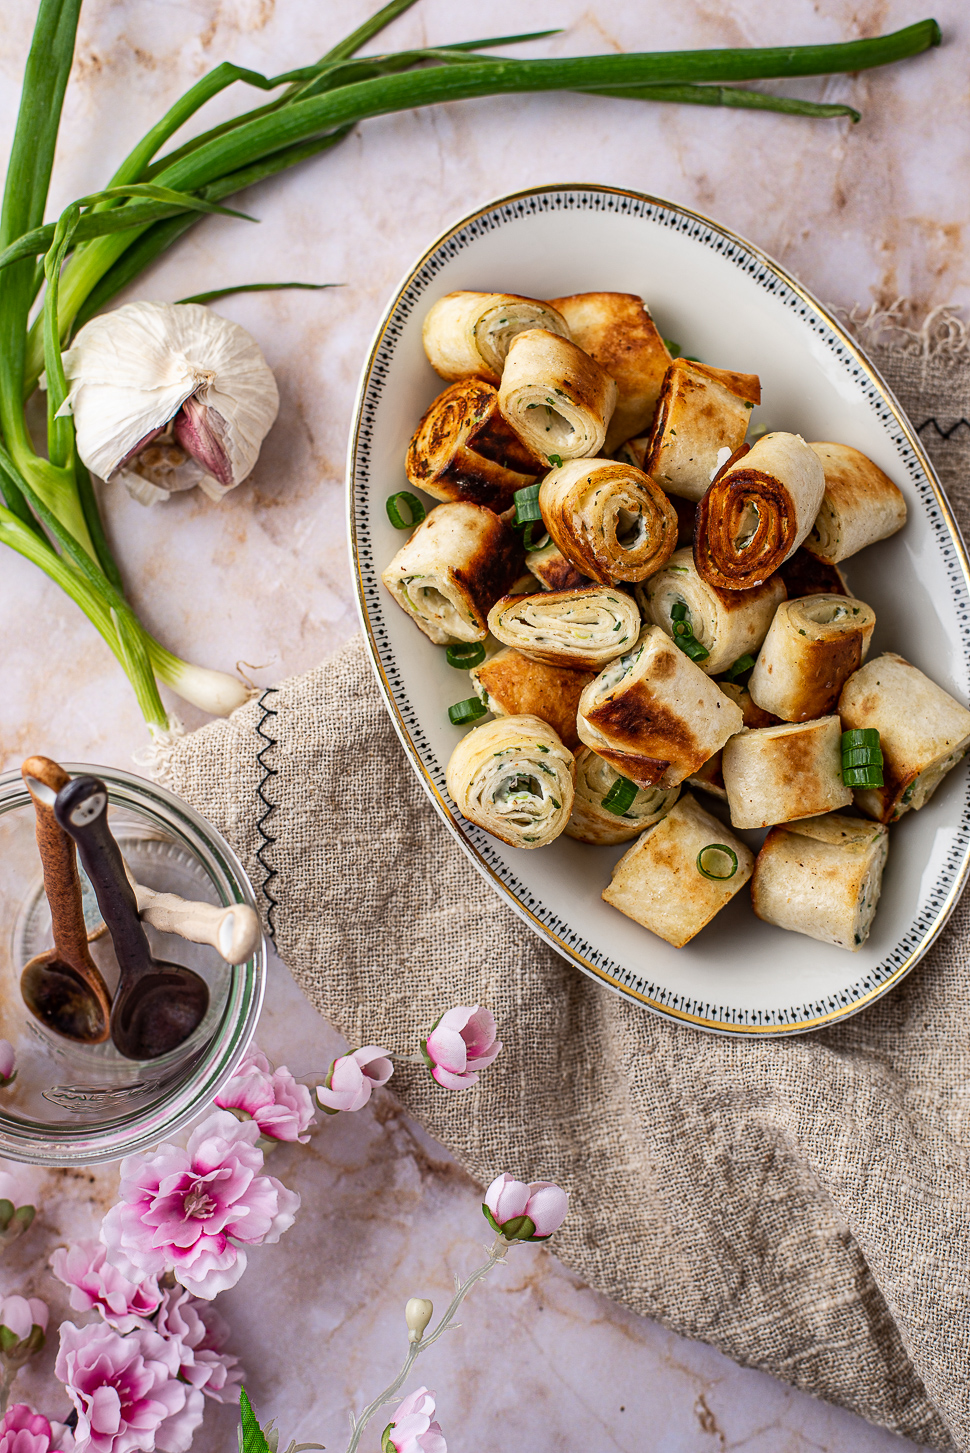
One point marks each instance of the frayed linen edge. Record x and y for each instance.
(942, 337)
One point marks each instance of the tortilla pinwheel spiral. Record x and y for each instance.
(514, 778)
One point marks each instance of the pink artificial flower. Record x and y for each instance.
(201, 1335)
(94, 1282)
(20, 1315)
(461, 1043)
(352, 1077)
(282, 1109)
(523, 1212)
(8, 1064)
(412, 1428)
(24, 1431)
(126, 1390)
(193, 1211)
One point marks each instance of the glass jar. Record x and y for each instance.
(77, 1104)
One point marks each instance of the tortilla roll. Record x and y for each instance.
(556, 398)
(727, 623)
(617, 330)
(822, 877)
(860, 505)
(710, 776)
(805, 574)
(591, 822)
(654, 715)
(511, 684)
(609, 520)
(552, 570)
(701, 420)
(585, 628)
(780, 773)
(514, 778)
(757, 512)
(464, 449)
(458, 562)
(812, 648)
(659, 884)
(468, 335)
(923, 732)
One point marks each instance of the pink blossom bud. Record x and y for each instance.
(521, 1212)
(23, 1323)
(412, 1428)
(461, 1043)
(352, 1078)
(8, 1064)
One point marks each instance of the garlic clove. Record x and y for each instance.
(201, 431)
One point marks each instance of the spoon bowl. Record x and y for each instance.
(157, 1005)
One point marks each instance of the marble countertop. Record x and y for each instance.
(862, 214)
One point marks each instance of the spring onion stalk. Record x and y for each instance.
(103, 241)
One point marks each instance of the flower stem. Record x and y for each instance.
(497, 1253)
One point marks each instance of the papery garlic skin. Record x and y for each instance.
(132, 370)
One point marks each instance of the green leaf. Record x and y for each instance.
(254, 288)
(253, 1438)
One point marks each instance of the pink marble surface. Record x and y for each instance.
(862, 214)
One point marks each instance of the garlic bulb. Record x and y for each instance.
(169, 395)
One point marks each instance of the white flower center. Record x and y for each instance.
(198, 1205)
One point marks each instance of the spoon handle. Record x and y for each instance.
(61, 882)
(81, 809)
(233, 932)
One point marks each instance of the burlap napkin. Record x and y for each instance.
(801, 1204)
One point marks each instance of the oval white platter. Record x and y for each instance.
(726, 302)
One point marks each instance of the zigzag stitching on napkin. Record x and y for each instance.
(268, 838)
(944, 433)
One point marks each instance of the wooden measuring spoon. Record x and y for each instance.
(63, 987)
(233, 932)
(156, 1005)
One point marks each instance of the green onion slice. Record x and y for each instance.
(678, 611)
(465, 656)
(862, 757)
(740, 666)
(555, 460)
(533, 539)
(469, 710)
(414, 506)
(860, 737)
(527, 504)
(863, 776)
(712, 861)
(692, 647)
(621, 796)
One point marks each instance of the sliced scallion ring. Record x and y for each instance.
(534, 538)
(527, 504)
(712, 859)
(865, 777)
(860, 737)
(692, 647)
(465, 656)
(621, 796)
(739, 667)
(678, 611)
(414, 506)
(469, 710)
(861, 757)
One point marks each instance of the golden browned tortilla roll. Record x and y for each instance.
(727, 623)
(654, 715)
(609, 519)
(757, 512)
(556, 398)
(805, 574)
(659, 883)
(710, 776)
(469, 334)
(779, 773)
(458, 562)
(585, 628)
(812, 648)
(617, 330)
(822, 877)
(860, 505)
(514, 778)
(701, 420)
(923, 732)
(511, 684)
(591, 822)
(552, 570)
(464, 449)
